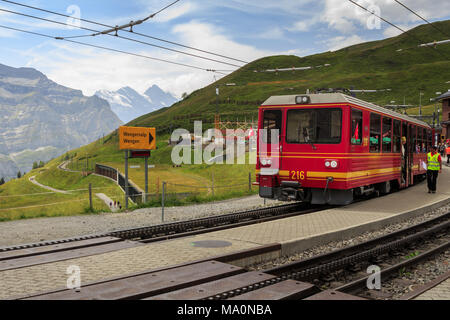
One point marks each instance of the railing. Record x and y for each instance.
(133, 193)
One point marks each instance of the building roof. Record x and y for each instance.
(444, 96)
(338, 98)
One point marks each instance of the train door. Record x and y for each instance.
(405, 155)
(412, 150)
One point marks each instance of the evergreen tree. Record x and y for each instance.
(35, 165)
(19, 175)
(2, 181)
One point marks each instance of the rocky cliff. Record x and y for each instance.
(37, 114)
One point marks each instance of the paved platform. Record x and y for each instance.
(292, 234)
(440, 292)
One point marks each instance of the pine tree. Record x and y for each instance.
(19, 175)
(35, 165)
(2, 181)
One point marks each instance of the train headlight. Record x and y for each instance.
(331, 164)
(302, 99)
(264, 162)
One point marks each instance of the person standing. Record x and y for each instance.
(447, 150)
(434, 167)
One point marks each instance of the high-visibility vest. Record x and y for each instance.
(433, 162)
(447, 151)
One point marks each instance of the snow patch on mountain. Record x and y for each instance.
(128, 104)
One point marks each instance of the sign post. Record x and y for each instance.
(140, 141)
(146, 180)
(126, 180)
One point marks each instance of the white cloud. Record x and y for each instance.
(176, 11)
(209, 37)
(275, 33)
(340, 42)
(347, 18)
(304, 25)
(393, 32)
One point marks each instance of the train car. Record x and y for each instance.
(330, 148)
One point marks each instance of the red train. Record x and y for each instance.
(331, 148)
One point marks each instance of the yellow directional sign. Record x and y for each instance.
(134, 138)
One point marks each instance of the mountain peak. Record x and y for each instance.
(128, 104)
(26, 73)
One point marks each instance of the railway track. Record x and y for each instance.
(299, 280)
(52, 251)
(336, 267)
(182, 228)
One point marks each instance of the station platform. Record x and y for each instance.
(439, 292)
(279, 237)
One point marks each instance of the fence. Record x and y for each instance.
(54, 203)
(133, 193)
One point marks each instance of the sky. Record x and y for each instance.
(241, 29)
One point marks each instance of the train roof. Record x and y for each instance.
(338, 98)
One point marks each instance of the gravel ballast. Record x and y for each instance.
(43, 229)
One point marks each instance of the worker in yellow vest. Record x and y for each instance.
(434, 167)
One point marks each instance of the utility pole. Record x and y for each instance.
(217, 120)
(126, 179)
(146, 180)
(420, 103)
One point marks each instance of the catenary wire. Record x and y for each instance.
(118, 36)
(111, 49)
(108, 26)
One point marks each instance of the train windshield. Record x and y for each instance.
(314, 126)
(271, 126)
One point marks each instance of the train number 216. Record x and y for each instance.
(297, 175)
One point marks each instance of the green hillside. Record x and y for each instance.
(372, 65)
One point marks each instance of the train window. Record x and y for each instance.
(414, 139)
(429, 140)
(425, 141)
(397, 137)
(357, 125)
(272, 121)
(419, 146)
(375, 132)
(387, 135)
(321, 126)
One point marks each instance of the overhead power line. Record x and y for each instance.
(131, 24)
(110, 49)
(125, 30)
(410, 10)
(398, 28)
(118, 36)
